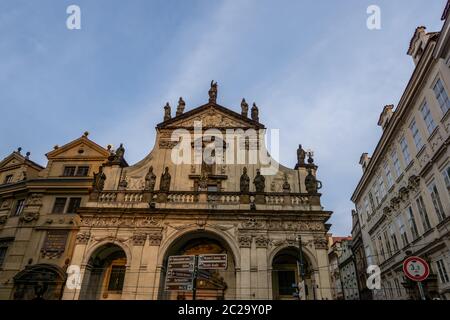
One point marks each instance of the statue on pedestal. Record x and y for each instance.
(167, 115)
(213, 92)
(244, 108)
(259, 182)
(99, 180)
(165, 181)
(150, 180)
(181, 106)
(245, 181)
(255, 112)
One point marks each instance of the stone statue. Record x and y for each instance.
(120, 152)
(245, 181)
(244, 108)
(165, 180)
(311, 183)
(203, 182)
(259, 182)
(181, 106)
(213, 92)
(301, 155)
(123, 184)
(286, 185)
(150, 180)
(167, 115)
(99, 180)
(310, 157)
(255, 112)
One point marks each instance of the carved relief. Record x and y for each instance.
(261, 242)
(245, 241)
(35, 200)
(320, 243)
(29, 216)
(154, 238)
(120, 222)
(252, 223)
(83, 237)
(138, 239)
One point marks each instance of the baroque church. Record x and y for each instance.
(118, 239)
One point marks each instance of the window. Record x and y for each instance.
(82, 171)
(412, 223)
(20, 205)
(441, 96)
(436, 201)
(286, 279)
(381, 187)
(380, 244)
(388, 244)
(74, 204)
(367, 206)
(405, 151)
(69, 171)
(423, 214)
(60, 205)
(116, 278)
(372, 204)
(401, 227)
(396, 162)
(427, 117)
(376, 194)
(443, 275)
(3, 250)
(8, 179)
(446, 175)
(416, 135)
(393, 238)
(387, 172)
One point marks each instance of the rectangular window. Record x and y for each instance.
(381, 187)
(443, 275)
(441, 96)
(412, 223)
(116, 278)
(436, 201)
(74, 204)
(372, 204)
(367, 206)
(60, 205)
(401, 228)
(423, 213)
(388, 244)
(69, 171)
(3, 250)
(405, 151)
(387, 172)
(8, 179)
(396, 162)
(416, 135)
(82, 171)
(20, 205)
(427, 117)
(376, 194)
(446, 175)
(393, 237)
(380, 244)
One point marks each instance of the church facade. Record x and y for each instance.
(208, 188)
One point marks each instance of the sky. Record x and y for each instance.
(315, 70)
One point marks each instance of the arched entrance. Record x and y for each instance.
(211, 284)
(39, 282)
(286, 274)
(105, 274)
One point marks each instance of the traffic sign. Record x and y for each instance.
(416, 269)
(180, 273)
(212, 261)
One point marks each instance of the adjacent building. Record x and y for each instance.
(334, 254)
(403, 197)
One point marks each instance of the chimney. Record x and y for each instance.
(385, 116)
(418, 43)
(364, 161)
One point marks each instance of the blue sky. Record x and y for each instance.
(314, 69)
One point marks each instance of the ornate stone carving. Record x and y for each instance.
(154, 238)
(35, 199)
(180, 107)
(245, 181)
(138, 239)
(99, 180)
(286, 185)
(320, 243)
(311, 183)
(83, 237)
(413, 182)
(259, 182)
(262, 242)
(167, 144)
(245, 241)
(100, 222)
(403, 193)
(252, 223)
(395, 203)
(29, 216)
(164, 185)
(280, 225)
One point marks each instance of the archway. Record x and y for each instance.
(286, 274)
(210, 284)
(105, 274)
(39, 282)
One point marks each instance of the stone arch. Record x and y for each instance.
(105, 269)
(218, 284)
(309, 254)
(39, 282)
(92, 249)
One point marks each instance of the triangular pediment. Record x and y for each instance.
(81, 148)
(211, 116)
(17, 159)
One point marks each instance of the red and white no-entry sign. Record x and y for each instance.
(416, 269)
